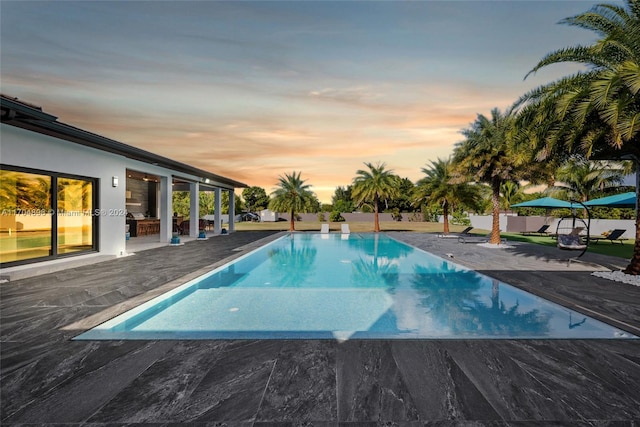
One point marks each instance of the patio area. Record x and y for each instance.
(48, 379)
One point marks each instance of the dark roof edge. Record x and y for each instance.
(27, 116)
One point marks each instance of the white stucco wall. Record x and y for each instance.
(596, 227)
(485, 222)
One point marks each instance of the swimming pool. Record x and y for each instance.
(357, 286)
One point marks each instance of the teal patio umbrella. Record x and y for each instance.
(624, 200)
(546, 202)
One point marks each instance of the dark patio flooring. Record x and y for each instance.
(48, 379)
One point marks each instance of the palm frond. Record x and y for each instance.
(630, 75)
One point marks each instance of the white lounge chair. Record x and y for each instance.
(345, 228)
(324, 228)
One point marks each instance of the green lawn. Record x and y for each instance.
(603, 247)
(606, 248)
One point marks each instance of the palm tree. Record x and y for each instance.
(292, 195)
(485, 157)
(595, 112)
(582, 180)
(436, 188)
(374, 185)
(510, 193)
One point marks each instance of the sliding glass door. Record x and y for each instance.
(45, 215)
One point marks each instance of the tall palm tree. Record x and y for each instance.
(292, 195)
(594, 112)
(484, 156)
(436, 188)
(373, 186)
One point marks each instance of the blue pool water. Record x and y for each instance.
(355, 286)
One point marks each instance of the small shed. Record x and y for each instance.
(267, 215)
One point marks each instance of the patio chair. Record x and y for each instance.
(575, 231)
(614, 235)
(542, 231)
(184, 227)
(571, 242)
(324, 228)
(345, 228)
(464, 232)
(479, 239)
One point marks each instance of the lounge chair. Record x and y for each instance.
(542, 231)
(614, 235)
(479, 239)
(324, 228)
(345, 228)
(464, 232)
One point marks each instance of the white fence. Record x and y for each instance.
(509, 222)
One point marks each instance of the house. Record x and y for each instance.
(69, 192)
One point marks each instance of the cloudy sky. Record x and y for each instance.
(254, 90)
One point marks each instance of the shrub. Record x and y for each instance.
(321, 217)
(336, 216)
(416, 217)
(396, 215)
(430, 214)
(460, 218)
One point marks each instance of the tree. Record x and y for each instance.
(373, 186)
(326, 207)
(595, 112)
(437, 189)
(403, 202)
(255, 199)
(180, 203)
(313, 204)
(224, 203)
(206, 202)
(485, 157)
(583, 180)
(342, 199)
(292, 195)
(510, 193)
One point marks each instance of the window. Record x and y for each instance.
(35, 225)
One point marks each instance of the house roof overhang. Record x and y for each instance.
(27, 116)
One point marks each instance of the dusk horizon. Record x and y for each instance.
(256, 90)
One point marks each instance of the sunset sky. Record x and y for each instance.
(254, 90)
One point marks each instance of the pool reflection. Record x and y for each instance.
(368, 286)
